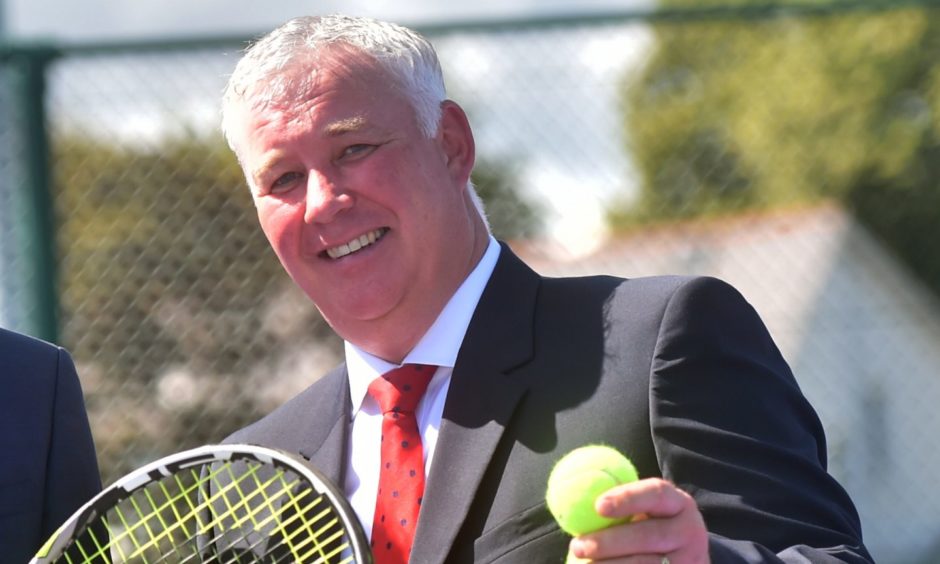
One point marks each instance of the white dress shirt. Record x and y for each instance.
(438, 347)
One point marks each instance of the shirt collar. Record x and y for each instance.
(440, 344)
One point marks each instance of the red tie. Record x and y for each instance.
(401, 477)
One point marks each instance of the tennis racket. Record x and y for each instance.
(214, 504)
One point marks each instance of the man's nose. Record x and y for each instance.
(326, 198)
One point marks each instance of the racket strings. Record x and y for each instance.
(224, 513)
(160, 540)
(312, 526)
(178, 549)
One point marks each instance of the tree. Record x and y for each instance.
(782, 111)
(511, 215)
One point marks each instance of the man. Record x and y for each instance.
(359, 168)
(48, 467)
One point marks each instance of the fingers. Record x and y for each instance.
(648, 538)
(653, 497)
(670, 525)
(637, 559)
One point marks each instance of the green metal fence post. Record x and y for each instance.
(27, 83)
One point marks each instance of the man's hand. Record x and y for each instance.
(667, 526)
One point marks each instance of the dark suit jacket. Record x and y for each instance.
(47, 459)
(678, 373)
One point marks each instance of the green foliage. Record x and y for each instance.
(511, 215)
(749, 114)
(147, 228)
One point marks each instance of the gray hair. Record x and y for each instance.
(407, 56)
(262, 75)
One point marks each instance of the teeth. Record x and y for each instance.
(363, 240)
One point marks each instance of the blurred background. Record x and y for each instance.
(791, 148)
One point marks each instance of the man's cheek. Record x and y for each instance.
(276, 226)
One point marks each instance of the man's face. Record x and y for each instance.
(368, 215)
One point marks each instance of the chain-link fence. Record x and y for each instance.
(792, 152)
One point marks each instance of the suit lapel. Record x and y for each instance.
(481, 400)
(319, 428)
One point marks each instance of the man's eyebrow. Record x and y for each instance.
(269, 162)
(348, 125)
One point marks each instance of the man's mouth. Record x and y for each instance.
(356, 244)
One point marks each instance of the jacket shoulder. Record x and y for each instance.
(648, 289)
(18, 350)
(281, 424)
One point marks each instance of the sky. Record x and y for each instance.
(90, 20)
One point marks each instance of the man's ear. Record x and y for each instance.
(456, 139)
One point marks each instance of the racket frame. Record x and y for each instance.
(206, 455)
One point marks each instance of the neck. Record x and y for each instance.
(392, 338)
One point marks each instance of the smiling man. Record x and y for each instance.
(486, 373)
(356, 199)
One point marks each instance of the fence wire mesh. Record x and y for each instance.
(793, 154)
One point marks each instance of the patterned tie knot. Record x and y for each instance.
(400, 390)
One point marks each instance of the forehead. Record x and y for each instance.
(337, 80)
(332, 95)
(310, 75)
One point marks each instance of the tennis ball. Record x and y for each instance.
(578, 479)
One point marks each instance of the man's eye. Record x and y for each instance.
(285, 182)
(357, 150)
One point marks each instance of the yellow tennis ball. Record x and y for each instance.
(578, 479)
